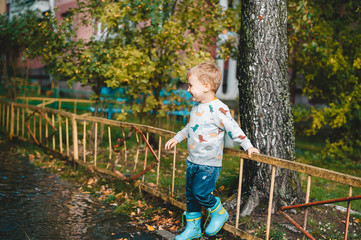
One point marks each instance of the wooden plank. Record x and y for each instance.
(47, 130)
(84, 141)
(110, 143)
(240, 178)
(159, 156)
(294, 166)
(23, 123)
(32, 108)
(17, 121)
(270, 202)
(95, 143)
(12, 120)
(173, 168)
(60, 134)
(53, 122)
(45, 103)
(299, 167)
(75, 139)
(143, 128)
(67, 136)
(72, 100)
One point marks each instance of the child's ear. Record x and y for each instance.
(207, 87)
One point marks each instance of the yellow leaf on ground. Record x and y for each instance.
(173, 228)
(150, 228)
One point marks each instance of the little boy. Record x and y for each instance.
(209, 120)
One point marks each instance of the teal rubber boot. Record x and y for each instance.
(193, 228)
(219, 216)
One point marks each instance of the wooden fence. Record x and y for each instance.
(71, 139)
(71, 104)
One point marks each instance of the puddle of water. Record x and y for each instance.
(38, 205)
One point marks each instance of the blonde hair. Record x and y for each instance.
(207, 72)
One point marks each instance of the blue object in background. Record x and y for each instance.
(107, 93)
(186, 97)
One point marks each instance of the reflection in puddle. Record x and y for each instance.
(37, 205)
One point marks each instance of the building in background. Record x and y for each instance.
(36, 71)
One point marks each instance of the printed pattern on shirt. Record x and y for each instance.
(205, 132)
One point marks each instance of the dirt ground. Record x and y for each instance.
(151, 213)
(324, 222)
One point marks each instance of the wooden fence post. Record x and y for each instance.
(159, 155)
(53, 122)
(173, 173)
(307, 201)
(110, 143)
(12, 121)
(241, 163)
(8, 118)
(75, 138)
(23, 123)
(67, 136)
(84, 141)
(95, 144)
(40, 128)
(347, 222)
(46, 130)
(268, 227)
(60, 135)
(17, 121)
(145, 157)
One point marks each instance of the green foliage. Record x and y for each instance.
(325, 53)
(15, 36)
(309, 150)
(142, 46)
(277, 232)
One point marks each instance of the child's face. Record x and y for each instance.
(196, 88)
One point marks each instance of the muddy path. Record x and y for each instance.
(35, 204)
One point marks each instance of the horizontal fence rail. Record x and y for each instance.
(88, 141)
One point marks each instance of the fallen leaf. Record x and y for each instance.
(173, 228)
(91, 181)
(140, 204)
(156, 218)
(150, 228)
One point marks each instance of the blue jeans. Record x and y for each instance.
(201, 182)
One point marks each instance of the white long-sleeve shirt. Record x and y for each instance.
(205, 133)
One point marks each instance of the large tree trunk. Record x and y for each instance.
(265, 109)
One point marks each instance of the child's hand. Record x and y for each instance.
(171, 144)
(252, 150)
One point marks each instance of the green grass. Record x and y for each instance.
(308, 151)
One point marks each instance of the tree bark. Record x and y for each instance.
(265, 109)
